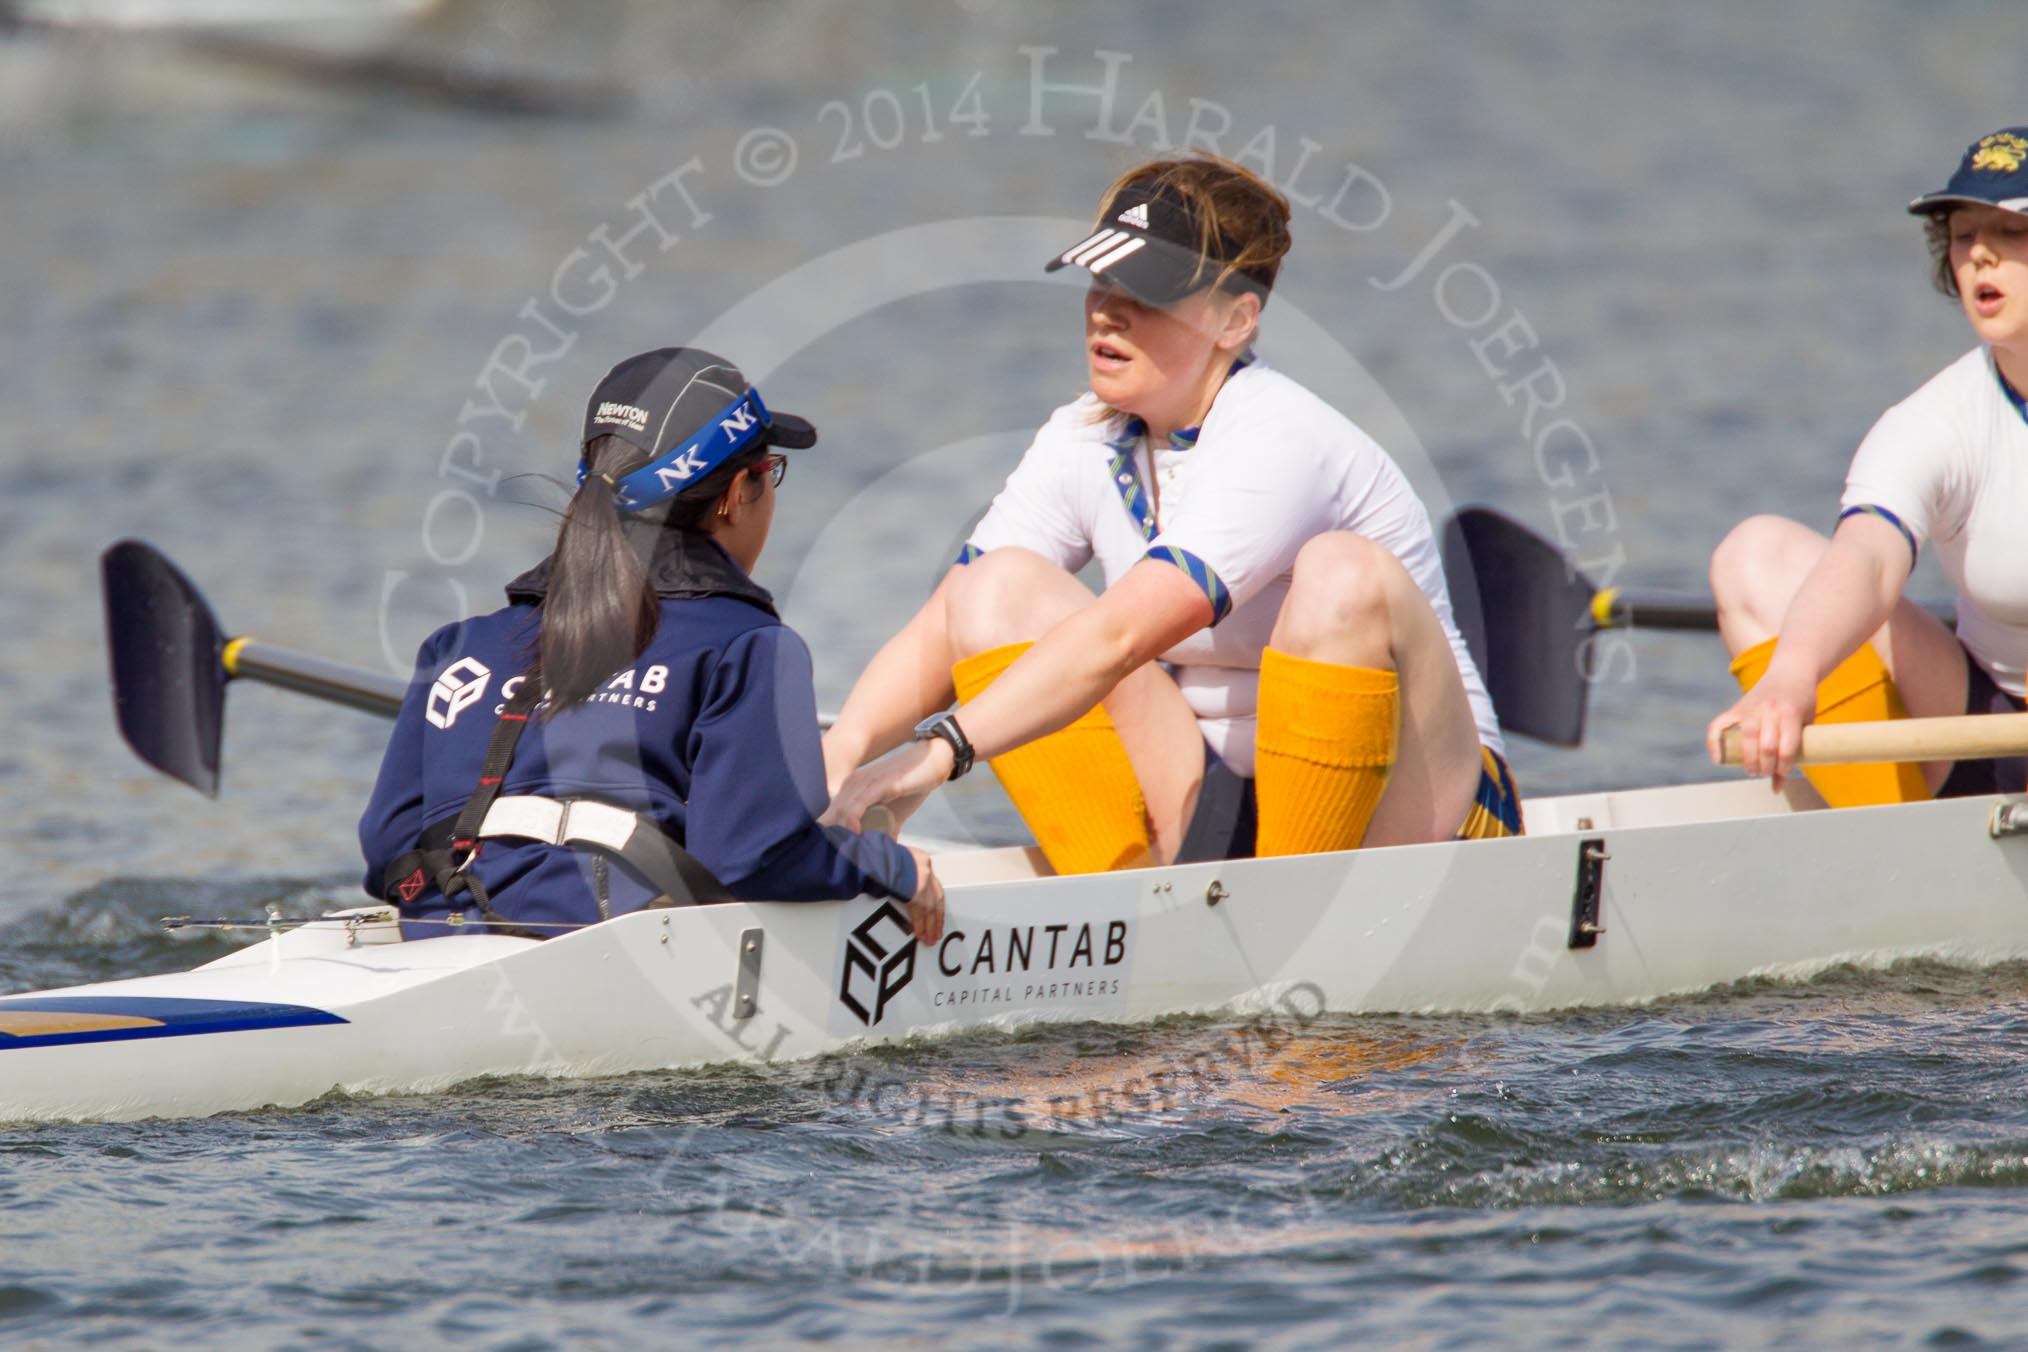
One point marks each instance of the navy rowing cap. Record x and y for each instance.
(1147, 243)
(688, 411)
(1994, 172)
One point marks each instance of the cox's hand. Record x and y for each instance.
(1770, 718)
(926, 908)
(900, 783)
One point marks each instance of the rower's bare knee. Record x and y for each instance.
(1756, 571)
(1342, 597)
(1007, 595)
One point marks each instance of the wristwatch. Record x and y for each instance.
(945, 725)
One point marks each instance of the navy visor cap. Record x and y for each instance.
(1994, 172)
(1147, 245)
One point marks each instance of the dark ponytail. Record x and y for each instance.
(601, 611)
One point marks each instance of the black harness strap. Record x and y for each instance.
(663, 861)
(444, 854)
(499, 755)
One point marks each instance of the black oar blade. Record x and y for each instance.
(168, 680)
(1526, 615)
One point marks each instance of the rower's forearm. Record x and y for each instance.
(907, 680)
(1843, 601)
(1068, 672)
(1075, 666)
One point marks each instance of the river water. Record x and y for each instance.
(319, 327)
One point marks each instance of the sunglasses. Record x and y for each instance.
(775, 466)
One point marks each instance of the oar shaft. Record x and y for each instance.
(1616, 608)
(374, 692)
(1963, 737)
(1613, 608)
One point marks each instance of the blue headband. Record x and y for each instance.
(743, 421)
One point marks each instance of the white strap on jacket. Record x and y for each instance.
(560, 821)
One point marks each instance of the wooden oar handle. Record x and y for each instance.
(1964, 737)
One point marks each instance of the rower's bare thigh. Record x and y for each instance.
(1756, 572)
(1008, 596)
(1351, 602)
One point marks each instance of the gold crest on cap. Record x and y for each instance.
(2001, 153)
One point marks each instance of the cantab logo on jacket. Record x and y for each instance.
(462, 685)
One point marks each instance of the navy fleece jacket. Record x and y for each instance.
(712, 732)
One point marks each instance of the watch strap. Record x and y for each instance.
(945, 726)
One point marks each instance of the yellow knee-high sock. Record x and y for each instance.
(1325, 743)
(1075, 788)
(1859, 689)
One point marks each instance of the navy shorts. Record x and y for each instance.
(1973, 778)
(1225, 819)
(1227, 816)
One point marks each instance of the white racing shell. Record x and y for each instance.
(1696, 885)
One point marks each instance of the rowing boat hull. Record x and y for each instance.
(1701, 885)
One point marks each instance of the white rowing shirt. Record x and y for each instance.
(1949, 464)
(1272, 467)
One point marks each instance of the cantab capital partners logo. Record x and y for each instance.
(886, 971)
(462, 685)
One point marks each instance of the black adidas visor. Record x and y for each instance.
(1147, 246)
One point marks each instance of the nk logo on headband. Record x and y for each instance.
(742, 420)
(680, 470)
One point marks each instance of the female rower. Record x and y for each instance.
(674, 751)
(1820, 628)
(1272, 667)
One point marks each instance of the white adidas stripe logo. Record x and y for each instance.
(1136, 215)
(1093, 246)
(1121, 250)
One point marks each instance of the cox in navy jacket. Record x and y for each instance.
(712, 732)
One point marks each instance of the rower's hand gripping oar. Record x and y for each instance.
(171, 663)
(1952, 738)
(1529, 618)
